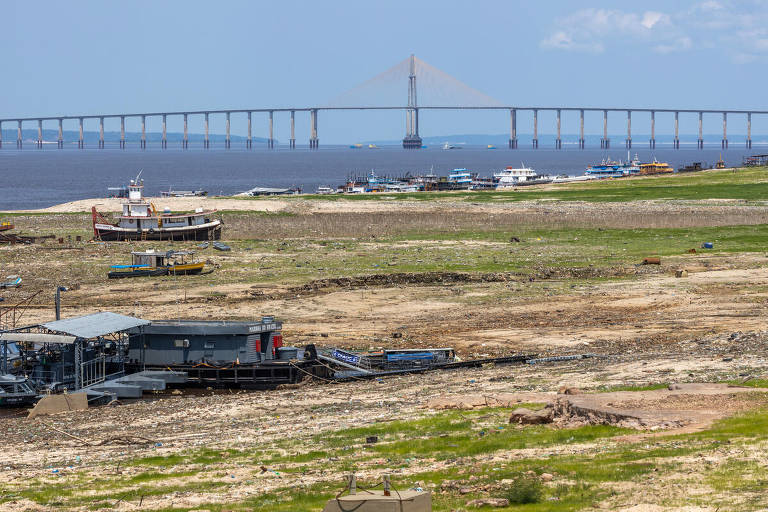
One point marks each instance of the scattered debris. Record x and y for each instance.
(488, 502)
(653, 260)
(681, 273)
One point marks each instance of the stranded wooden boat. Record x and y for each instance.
(152, 263)
(140, 220)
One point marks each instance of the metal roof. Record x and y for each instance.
(96, 324)
(37, 337)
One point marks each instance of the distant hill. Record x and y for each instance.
(92, 137)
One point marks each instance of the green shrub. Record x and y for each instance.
(525, 489)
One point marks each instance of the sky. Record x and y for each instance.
(91, 57)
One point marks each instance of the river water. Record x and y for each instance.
(37, 178)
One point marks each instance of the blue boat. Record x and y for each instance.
(614, 169)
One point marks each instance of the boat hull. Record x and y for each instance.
(207, 231)
(138, 273)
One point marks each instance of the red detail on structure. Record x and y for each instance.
(277, 340)
(97, 219)
(257, 344)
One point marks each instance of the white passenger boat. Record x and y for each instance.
(514, 176)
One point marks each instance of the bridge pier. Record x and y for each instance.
(701, 131)
(81, 140)
(101, 133)
(143, 142)
(18, 137)
(313, 140)
(605, 142)
(724, 143)
(749, 131)
(628, 142)
(558, 141)
(122, 132)
(1, 135)
(164, 139)
(676, 142)
(185, 141)
(512, 128)
(39, 134)
(271, 141)
(249, 139)
(535, 141)
(227, 142)
(206, 140)
(293, 130)
(652, 142)
(60, 141)
(581, 129)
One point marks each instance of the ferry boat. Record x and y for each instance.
(614, 169)
(324, 191)
(513, 176)
(154, 263)
(655, 167)
(448, 145)
(140, 220)
(461, 177)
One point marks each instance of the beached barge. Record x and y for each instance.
(222, 353)
(140, 220)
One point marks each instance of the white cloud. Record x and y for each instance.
(590, 29)
(737, 28)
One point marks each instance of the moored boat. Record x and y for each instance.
(614, 169)
(511, 176)
(655, 167)
(154, 263)
(140, 220)
(184, 193)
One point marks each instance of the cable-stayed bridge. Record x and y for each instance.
(427, 88)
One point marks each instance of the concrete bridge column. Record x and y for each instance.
(512, 128)
(271, 141)
(249, 140)
(18, 137)
(724, 143)
(185, 141)
(165, 138)
(581, 129)
(293, 130)
(677, 130)
(313, 141)
(749, 131)
(101, 133)
(652, 143)
(558, 141)
(206, 141)
(605, 143)
(227, 140)
(39, 134)
(143, 132)
(122, 132)
(1, 135)
(628, 142)
(81, 140)
(535, 141)
(60, 141)
(701, 130)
